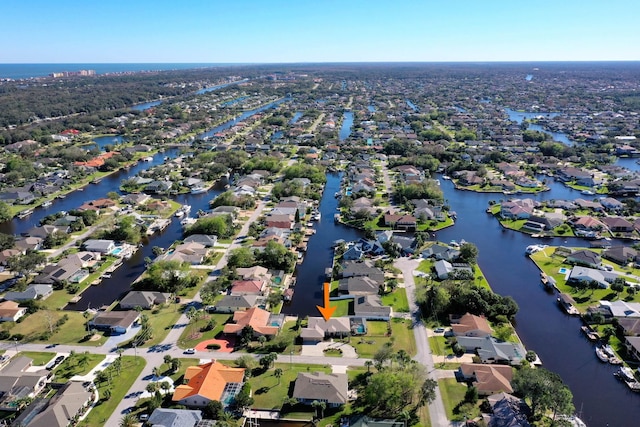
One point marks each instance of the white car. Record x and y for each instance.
(190, 351)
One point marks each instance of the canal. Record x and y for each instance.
(111, 288)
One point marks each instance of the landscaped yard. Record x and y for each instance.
(397, 299)
(551, 265)
(452, 394)
(40, 358)
(161, 320)
(439, 346)
(76, 364)
(269, 392)
(191, 336)
(401, 337)
(118, 386)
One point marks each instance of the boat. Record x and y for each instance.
(446, 177)
(573, 421)
(186, 208)
(587, 192)
(532, 249)
(626, 374)
(317, 216)
(566, 302)
(602, 355)
(25, 213)
(198, 190)
(148, 159)
(179, 214)
(47, 204)
(61, 196)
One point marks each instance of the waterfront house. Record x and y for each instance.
(619, 309)
(318, 329)
(621, 255)
(588, 275)
(63, 408)
(207, 382)
(359, 285)
(18, 381)
(611, 204)
(158, 187)
(97, 205)
(114, 322)
(167, 417)
(362, 268)
(256, 272)
(10, 311)
(101, 246)
(316, 386)
(443, 268)
(135, 199)
(629, 326)
(280, 221)
(632, 345)
(491, 350)
(487, 379)
(255, 317)
(365, 421)
(143, 299)
(192, 253)
(585, 258)
(589, 204)
(439, 252)
(354, 252)
(616, 224)
(470, 325)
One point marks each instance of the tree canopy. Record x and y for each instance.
(544, 390)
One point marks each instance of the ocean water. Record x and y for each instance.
(27, 71)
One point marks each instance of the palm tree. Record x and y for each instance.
(156, 372)
(165, 386)
(129, 420)
(368, 364)
(278, 374)
(152, 387)
(319, 406)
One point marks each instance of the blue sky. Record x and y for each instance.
(258, 31)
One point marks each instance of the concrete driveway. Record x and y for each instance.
(318, 349)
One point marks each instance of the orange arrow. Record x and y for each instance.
(326, 311)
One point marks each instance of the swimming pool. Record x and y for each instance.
(563, 270)
(117, 250)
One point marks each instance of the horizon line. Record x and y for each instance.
(339, 62)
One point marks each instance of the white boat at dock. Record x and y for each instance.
(25, 213)
(47, 204)
(602, 355)
(179, 214)
(199, 190)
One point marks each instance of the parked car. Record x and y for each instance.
(438, 330)
(190, 351)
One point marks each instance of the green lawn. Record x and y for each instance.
(40, 358)
(452, 394)
(401, 338)
(343, 307)
(397, 299)
(119, 386)
(439, 346)
(161, 320)
(551, 264)
(269, 392)
(73, 331)
(191, 337)
(76, 364)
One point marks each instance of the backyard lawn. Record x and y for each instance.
(452, 394)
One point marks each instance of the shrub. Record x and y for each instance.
(213, 346)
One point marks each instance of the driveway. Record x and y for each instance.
(348, 352)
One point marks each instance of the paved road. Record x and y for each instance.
(436, 408)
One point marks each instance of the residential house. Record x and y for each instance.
(632, 345)
(29, 243)
(10, 311)
(18, 380)
(255, 317)
(587, 223)
(33, 292)
(97, 205)
(491, 350)
(208, 241)
(470, 325)
(403, 222)
(362, 268)
(158, 187)
(166, 417)
(8, 253)
(115, 322)
(280, 221)
(359, 285)
(318, 329)
(331, 389)
(370, 307)
(192, 253)
(248, 287)
(629, 326)
(507, 411)
(101, 246)
(621, 255)
(64, 407)
(135, 199)
(588, 275)
(207, 382)
(439, 252)
(143, 299)
(619, 309)
(488, 379)
(254, 273)
(233, 303)
(365, 421)
(611, 204)
(353, 253)
(616, 224)
(585, 258)
(588, 204)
